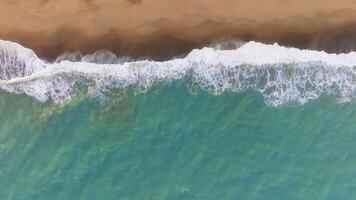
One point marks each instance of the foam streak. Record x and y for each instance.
(281, 74)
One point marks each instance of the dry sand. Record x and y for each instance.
(158, 27)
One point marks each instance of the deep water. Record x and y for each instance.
(168, 143)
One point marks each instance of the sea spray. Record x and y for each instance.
(282, 75)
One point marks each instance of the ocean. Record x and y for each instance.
(255, 122)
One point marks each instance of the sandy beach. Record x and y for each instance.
(159, 27)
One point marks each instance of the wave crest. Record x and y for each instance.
(281, 74)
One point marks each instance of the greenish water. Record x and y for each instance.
(169, 144)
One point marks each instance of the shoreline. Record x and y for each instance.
(135, 28)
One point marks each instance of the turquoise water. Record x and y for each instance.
(169, 144)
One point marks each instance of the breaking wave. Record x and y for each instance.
(282, 75)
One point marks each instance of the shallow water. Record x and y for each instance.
(253, 122)
(168, 143)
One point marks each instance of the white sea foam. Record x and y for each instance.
(281, 74)
(17, 61)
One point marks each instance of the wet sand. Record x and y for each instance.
(161, 28)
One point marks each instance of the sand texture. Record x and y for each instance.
(162, 27)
